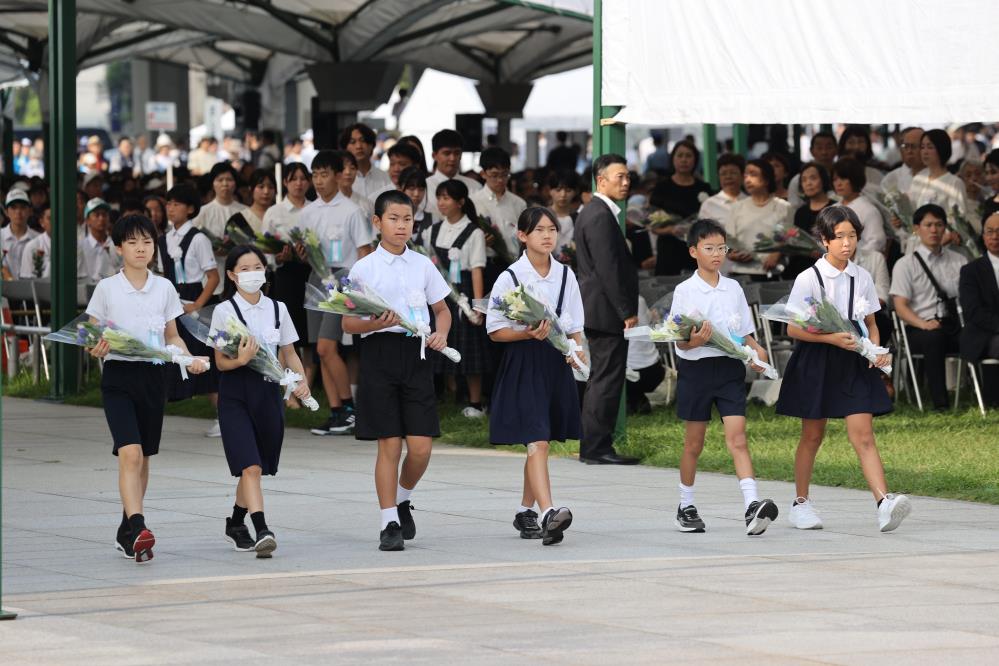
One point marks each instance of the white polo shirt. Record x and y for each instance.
(259, 318)
(435, 179)
(837, 289)
(502, 211)
(372, 184)
(546, 289)
(340, 226)
(142, 312)
(408, 282)
(723, 305)
(214, 216)
(13, 248)
(100, 260)
(282, 217)
(199, 260)
(471, 255)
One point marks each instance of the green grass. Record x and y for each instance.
(954, 455)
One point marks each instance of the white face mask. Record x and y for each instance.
(251, 281)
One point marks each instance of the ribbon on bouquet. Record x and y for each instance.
(422, 332)
(289, 382)
(584, 370)
(754, 358)
(871, 351)
(466, 309)
(184, 361)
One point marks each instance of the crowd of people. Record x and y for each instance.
(423, 229)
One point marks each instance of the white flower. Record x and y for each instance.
(702, 197)
(734, 323)
(176, 253)
(454, 254)
(861, 308)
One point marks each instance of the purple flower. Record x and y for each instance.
(677, 319)
(81, 335)
(345, 282)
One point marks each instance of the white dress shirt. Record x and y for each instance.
(281, 218)
(471, 255)
(837, 289)
(100, 260)
(642, 353)
(214, 216)
(546, 289)
(371, 185)
(341, 229)
(435, 179)
(503, 212)
(724, 305)
(42, 243)
(909, 280)
(873, 238)
(142, 312)
(259, 320)
(199, 260)
(898, 180)
(566, 232)
(408, 282)
(947, 191)
(747, 222)
(13, 247)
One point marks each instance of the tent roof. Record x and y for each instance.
(488, 40)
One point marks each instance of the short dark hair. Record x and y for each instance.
(832, 216)
(532, 216)
(825, 135)
(783, 158)
(328, 159)
(132, 226)
(601, 163)
(186, 195)
(446, 138)
(456, 189)
(367, 134)
(861, 131)
(407, 150)
(704, 228)
(941, 141)
(992, 158)
(494, 156)
(346, 156)
(231, 259)
(415, 142)
(259, 176)
(389, 197)
(767, 171)
(929, 209)
(291, 169)
(823, 175)
(732, 159)
(413, 176)
(689, 145)
(852, 170)
(563, 179)
(220, 168)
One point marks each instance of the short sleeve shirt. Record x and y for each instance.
(545, 288)
(837, 289)
(199, 260)
(910, 281)
(340, 226)
(214, 216)
(472, 254)
(724, 305)
(259, 318)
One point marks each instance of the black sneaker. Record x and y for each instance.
(759, 515)
(123, 543)
(391, 538)
(553, 524)
(239, 536)
(142, 546)
(340, 424)
(687, 519)
(348, 423)
(406, 520)
(527, 523)
(265, 545)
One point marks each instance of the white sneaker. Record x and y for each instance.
(472, 413)
(215, 430)
(893, 510)
(804, 516)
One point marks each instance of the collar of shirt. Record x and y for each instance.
(524, 265)
(929, 254)
(610, 203)
(179, 233)
(390, 257)
(129, 289)
(94, 243)
(706, 288)
(289, 206)
(9, 236)
(245, 305)
(335, 201)
(994, 260)
(831, 272)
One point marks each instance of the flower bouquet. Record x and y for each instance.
(38, 263)
(678, 328)
(351, 298)
(567, 255)
(499, 243)
(793, 241)
(520, 305)
(899, 206)
(822, 316)
(219, 245)
(960, 225)
(313, 252)
(265, 362)
(460, 299)
(660, 219)
(267, 243)
(82, 332)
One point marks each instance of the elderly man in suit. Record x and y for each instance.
(979, 295)
(608, 283)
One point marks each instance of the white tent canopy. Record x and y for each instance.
(791, 61)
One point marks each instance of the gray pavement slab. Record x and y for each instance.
(624, 587)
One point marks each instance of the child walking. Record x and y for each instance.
(535, 398)
(251, 409)
(395, 394)
(825, 378)
(134, 392)
(707, 377)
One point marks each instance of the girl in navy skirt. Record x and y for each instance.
(535, 399)
(460, 247)
(251, 409)
(825, 378)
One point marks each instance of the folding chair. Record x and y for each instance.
(906, 368)
(974, 369)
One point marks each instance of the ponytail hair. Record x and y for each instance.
(458, 191)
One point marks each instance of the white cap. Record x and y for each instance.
(17, 195)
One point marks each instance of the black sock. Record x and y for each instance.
(137, 523)
(334, 411)
(238, 515)
(477, 405)
(258, 521)
(124, 521)
(348, 404)
(880, 501)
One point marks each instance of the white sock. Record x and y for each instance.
(749, 493)
(544, 513)
(389, 516)
(686, 496)
(353, 392)
(523, 508)
(402, 494)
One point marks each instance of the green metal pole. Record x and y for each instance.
(62, 171)
(8, 132)
(740, 139)
(4, 615)
(709, 156)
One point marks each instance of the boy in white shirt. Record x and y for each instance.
(36, 260)
(502, 207)
(359, 140)
(97, 249)
(16, 235)
(446, 152)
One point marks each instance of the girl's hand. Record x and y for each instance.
(101, 349)
(300, 251)
(437, 342)
(895, 222)
(762, 353)
(582, 357)
(284, 255)
(541, 332)
(883, 361)
(199, 365)
(189, 308)
(771, 261)
(490, 239)
(248, 348)
(388, 319)
(843, 341)
(301, 391)
(700, 336)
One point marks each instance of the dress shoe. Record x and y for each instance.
(609, 459)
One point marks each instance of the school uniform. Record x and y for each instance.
(341, 228)
(97, 260)
(133, 392)
(373, 183)
(41, 246)
(535, 397)
(395, 392)
(184, 256)
(503, 211)
(288, 284)
(13, 248)
(460, 248)
(251, 408)
(822, 381)
(435, 179)
(705, 375)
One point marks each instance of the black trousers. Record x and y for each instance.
(934, 346)
(648, 379)
(602, 400)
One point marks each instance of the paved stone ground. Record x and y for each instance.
(623, 587)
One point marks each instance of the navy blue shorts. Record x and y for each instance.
(134, 395)
(718, 381)
(395, 390)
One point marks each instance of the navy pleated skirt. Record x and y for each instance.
(251, 417)
(535, 397)
(825, 382)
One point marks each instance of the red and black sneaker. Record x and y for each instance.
(143, 546)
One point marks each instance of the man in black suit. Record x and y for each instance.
(608, 283)
(979, 294)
